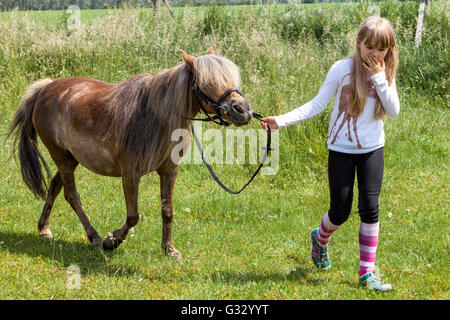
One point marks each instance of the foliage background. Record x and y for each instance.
(256, 245)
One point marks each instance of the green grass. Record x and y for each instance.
(255, 245)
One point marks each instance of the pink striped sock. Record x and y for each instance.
(368, 241)
(326, 229)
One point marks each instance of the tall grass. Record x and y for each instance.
(255, 246)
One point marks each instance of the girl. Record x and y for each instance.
(364, 89)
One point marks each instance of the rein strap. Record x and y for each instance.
(216, 178)
(218, 120)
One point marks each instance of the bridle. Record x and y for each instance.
(201, 98)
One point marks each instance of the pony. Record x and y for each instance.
(119, 130)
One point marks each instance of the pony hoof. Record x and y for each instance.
(108, 246)
(97, 243)
(173, 253)
(46, 233)
(111, 242)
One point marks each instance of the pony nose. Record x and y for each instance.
(241, 107)
(238, 108)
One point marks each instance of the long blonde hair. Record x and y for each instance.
(378, 31)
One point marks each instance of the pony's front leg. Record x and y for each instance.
(130, 188)
(167, 182)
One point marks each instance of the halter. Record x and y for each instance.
(216, 106)
(201, 97)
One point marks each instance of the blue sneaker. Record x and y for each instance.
(370, 281)
(319, 254)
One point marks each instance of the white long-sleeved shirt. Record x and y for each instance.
(348, 134)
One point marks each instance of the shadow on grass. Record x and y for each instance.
(63, 253)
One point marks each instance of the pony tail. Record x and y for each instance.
(26, 142)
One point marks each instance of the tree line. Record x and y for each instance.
(6, 5)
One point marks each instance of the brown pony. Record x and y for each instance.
(120, 130)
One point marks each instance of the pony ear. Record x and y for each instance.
(189, 60)
(210, 51)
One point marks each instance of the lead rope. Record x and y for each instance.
(211, 171)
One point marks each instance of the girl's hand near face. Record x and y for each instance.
(373, 66)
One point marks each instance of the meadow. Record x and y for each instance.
(255, 245)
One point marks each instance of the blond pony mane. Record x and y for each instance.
(217, 72)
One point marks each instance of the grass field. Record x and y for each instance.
(255, 245)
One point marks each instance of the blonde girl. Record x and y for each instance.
(363, 85)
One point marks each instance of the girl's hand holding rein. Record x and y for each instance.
(269, 121)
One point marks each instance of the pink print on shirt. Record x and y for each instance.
(344, 106)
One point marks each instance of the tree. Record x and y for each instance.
(156, 6)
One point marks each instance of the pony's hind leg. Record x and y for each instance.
(53, 191)
(130, 189)
(66, 170)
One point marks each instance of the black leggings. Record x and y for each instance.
(341, 176)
